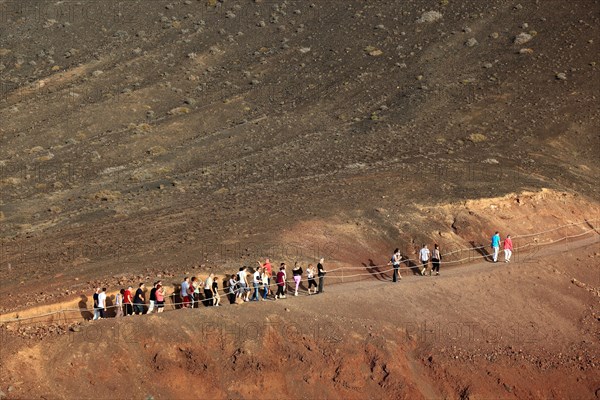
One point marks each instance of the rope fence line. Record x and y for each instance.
(226, 291)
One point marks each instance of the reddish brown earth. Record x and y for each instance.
(523, 330)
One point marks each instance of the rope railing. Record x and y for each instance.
(290, 282)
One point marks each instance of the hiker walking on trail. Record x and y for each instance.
(424, 257)
(119, 303)
(310, 274)
(152, 298)
(496, 245)
(396, 259)
(215, 292)
(269, 270)
(321, 273)
(128, 300)
(243, 283)
(139, 300)
(435, 260)
(256, 281)
(194, 292)
(297, 273)
(232, 289)
(508, 248)
(265, 283)
(102, 303)
(184, 292)
(160, 297)
(208, 294)
(96, 308)
(280, 282)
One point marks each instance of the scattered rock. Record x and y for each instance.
(471, 42)
(430, 16)
(577, 283)
(491, 161)
(156, 150)
(522, 38)
(373, 51)
(477, 137)
(179, 111)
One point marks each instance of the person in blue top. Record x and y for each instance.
(496, 245)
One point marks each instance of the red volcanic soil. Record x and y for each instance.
(527, 329)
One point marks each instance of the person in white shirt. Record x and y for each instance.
(310, 275)
(256, 281)
(243, 282)
(265, 283)
(102, 302)
(208, 294)
(424, 257)
(396, 259)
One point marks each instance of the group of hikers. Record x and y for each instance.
(193, 291)
(426, 255)
(257, 283)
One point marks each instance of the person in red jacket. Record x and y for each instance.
(508, 248)
(128, 301)
(280, 282)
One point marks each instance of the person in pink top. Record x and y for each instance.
(508, 248)
(160, 297)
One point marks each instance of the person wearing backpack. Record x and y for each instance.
(396, 259)
(297, 273)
